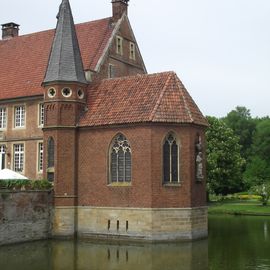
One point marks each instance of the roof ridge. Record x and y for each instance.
(161, 96)
(181, 87)
(53, 29)
(138, 76)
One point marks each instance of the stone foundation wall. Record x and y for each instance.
(171, 224)
(24, 216)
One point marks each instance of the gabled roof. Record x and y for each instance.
(23, 59)
(160, 98)
(65, 62)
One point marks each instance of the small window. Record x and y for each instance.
(111, 71)
(66, 92)
(132, 54)
(40, 157)
(119, 45)
(2, 157)
(80, 93)
(41, 114)
(170, 159)
(120, 160)
(3, 117)
(19, 116)
(18, 156)
(51, 92)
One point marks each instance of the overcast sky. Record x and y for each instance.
(220, 49)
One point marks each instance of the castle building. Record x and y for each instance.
(124, 149)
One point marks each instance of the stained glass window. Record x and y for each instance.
(120, 160)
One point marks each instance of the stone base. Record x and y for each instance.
(138, 224)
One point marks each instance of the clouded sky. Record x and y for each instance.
(220, 49)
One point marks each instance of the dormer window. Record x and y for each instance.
(132, 54)
(119, 45)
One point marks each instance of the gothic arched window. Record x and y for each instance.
(50, 152)
(120, 160)
(170, 159)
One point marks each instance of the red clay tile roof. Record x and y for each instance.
(157, 97)
(23, 59)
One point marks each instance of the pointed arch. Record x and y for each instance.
(120, 160)
(171, 158)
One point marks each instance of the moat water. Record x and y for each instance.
(234, 243)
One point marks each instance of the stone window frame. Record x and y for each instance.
(80, 93)
(40, 156)
(125, 182)
(19, 116)
(41, 114)
(119, 45)
(21, 160)
(3, 117)
(3, 150)
(49, 92)
(177, 140)
(64, 94)
(132, 51)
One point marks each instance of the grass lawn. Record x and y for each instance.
(239, 207)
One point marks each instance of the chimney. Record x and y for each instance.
(119, 7)
(10, 30)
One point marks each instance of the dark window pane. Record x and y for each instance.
(121, 165)
(3, 161)
(128, 166)
(50, 177)
(166, 162)
(50, 153)
(174, 162)
(114, 166)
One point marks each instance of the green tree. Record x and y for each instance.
(257, 172)
(258, 167)
(243, 125)
(261, 140)
(224, 161)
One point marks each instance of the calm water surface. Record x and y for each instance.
(234, 243)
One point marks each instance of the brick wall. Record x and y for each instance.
(122, 64)
(147, 188)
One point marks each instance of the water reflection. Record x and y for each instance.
(235, 243)
(265, 229)
(83, 255)
(69, 255)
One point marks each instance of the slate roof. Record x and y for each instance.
(65, 62)
(24, 59)
(160, 98)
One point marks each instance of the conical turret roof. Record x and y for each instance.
(65, 62)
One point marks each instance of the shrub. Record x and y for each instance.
(14, 184)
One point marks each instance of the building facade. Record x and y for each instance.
(125, 150)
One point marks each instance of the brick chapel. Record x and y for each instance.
(124, 149)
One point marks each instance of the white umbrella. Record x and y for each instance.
(7, 174)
